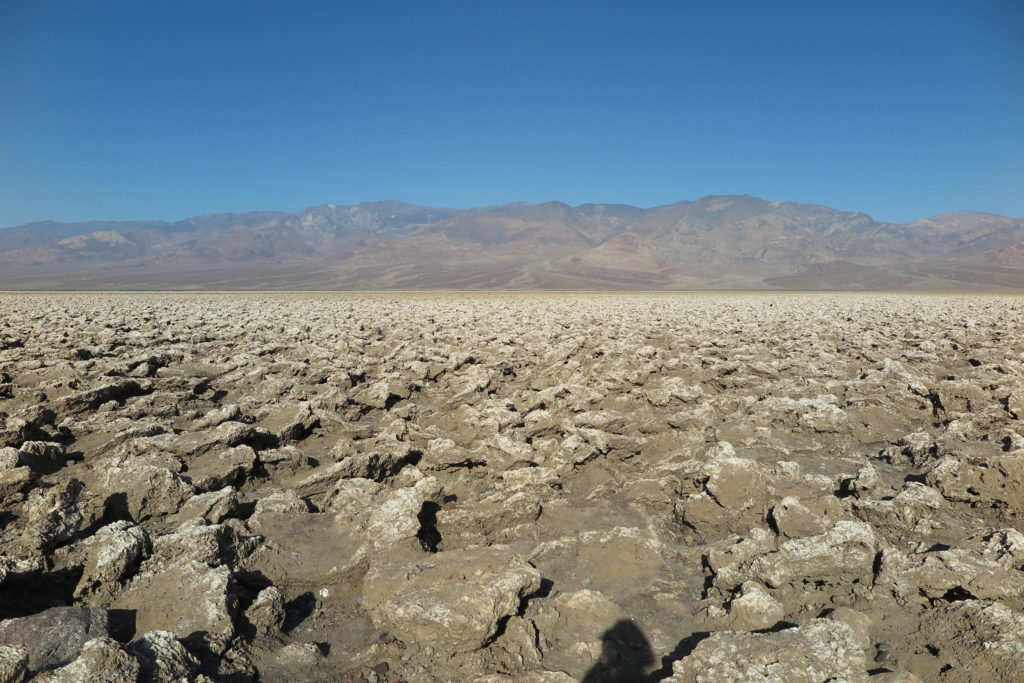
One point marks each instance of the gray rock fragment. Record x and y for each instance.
(267, 612)
(55, 636)
(13, 663)
(55, 515)
(101, 660)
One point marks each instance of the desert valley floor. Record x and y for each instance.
(511, 487)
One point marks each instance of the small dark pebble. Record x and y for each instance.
(381, 668)
(387, 638)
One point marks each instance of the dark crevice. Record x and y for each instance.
(33, 592)
(684, 648)
(779, 626)
(115, 509)
(876, 565)
(296, 611)
(957, 593)
(428, 535)
(121, 623)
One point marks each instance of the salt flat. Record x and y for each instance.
(512, 486)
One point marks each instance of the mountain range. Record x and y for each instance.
(716, 242)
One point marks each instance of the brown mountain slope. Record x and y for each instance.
(720, 241)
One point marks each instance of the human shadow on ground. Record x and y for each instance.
(626, 656)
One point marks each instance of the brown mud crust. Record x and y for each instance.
(511, 487)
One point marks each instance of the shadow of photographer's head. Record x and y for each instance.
(626, 655)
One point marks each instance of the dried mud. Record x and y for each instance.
(528, 487)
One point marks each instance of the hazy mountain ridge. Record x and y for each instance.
(718, 241)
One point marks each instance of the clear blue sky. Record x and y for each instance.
(160, 109)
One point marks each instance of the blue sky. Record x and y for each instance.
(160, 109)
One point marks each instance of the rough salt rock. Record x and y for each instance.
(981, 640)
(287, 502)
(842, 554)
(210, 508)
(374, 395)
(210, 544)
(998, 483)
(299, 422)
(895, 677)
(90, 399)
(787, 478)
(863, 482)
(387, 517)
(728, 557)
(733, 497)
(820, 650)
(1015, 404)
(13, 484)
(793, 519)
(735, 483)
(42, 456)
(13, 431)
(163, 658)
(351, 499)
(532, 677)
(56, 515)
(961, 396)
(443, 454)
(13, 663)
(186, 598)
(859, 622)
(214, 470)
(918, 446)
(577, 618)
(623, 561)
(285, 460)
(267, 612)
(55, 636)
(396, 520)
(821, 415)
(102, 660)
(189, 445)
(9, 458)
(299, 656)
(462, 594)
(986, 566)
(490, 520)
(144, 490)
(113, 555)
(914, 505)
(374, 465)
(229, 412)
(755, 608)
(531, 476)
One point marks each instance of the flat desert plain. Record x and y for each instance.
(511, 487)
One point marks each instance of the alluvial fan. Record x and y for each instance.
(520, 487)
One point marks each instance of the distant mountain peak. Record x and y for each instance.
(720, 240)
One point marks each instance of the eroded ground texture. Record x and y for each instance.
(528, 487)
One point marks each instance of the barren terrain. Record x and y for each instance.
(718, 242)
(527, 487)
